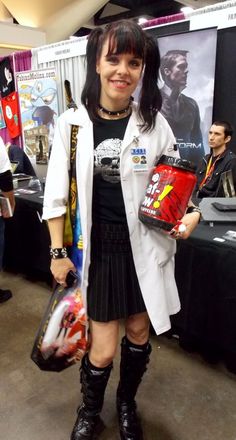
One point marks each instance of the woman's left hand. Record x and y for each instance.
(190, 221)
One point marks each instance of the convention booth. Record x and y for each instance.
(204, 265)
(205, 275)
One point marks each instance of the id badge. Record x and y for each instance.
(139, 160)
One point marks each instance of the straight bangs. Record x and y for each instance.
(126, 41)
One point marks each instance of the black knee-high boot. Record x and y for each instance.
(134, 360)
(94, 381)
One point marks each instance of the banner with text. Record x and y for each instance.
(39, 110)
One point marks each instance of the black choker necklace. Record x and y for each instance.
(110, 113)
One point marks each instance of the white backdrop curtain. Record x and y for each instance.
(73, 69)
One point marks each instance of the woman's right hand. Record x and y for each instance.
(60, 268)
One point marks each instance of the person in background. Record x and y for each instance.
(128, 268)
(219, 160)
(181, 111)
(6, 187)
(17, 154)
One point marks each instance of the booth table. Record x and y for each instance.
(205, 275)
(206, 279)
(27, 238)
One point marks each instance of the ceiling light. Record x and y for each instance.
(142, 20)
(186, 9)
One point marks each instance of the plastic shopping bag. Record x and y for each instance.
(62, 338)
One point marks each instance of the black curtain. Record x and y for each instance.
(225, 79)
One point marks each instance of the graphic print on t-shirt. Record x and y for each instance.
(107, 160)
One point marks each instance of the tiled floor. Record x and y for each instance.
(181, 397)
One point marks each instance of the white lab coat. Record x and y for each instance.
(4, 159)
(153, 250)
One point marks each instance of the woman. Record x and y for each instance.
(128, 270)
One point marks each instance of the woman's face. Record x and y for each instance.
(119, 76)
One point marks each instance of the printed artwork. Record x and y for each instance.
(187, 88)
(36, 143)
(107, 160)
(7, 84)
(39, 107)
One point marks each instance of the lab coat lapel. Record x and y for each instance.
(132, 132)
(85, 175)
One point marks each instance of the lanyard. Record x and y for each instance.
(209, 170)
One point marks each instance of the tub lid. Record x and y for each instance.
(184, 164)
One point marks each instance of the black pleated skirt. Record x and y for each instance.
(113, 288)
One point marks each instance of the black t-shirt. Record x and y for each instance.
(108, 203)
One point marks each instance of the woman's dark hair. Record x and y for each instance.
(124, 36)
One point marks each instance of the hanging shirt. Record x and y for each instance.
(10, 108)
(7, 84)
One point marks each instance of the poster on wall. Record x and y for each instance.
(36, 143)
(39, 110)
(187, 86)
(2, 121)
